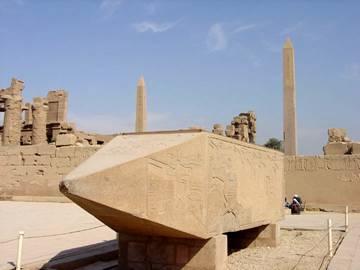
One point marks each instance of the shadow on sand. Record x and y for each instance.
(106, 251)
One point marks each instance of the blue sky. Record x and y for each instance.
(203, 61)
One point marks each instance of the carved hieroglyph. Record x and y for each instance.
(324, 180)
(180, 184)
(141, 114)
(289, 111)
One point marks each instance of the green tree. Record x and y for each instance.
(274, 144)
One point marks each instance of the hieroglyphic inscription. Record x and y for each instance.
(318, 163)
(235, 172)
(176, 185)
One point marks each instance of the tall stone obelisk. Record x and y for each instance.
(141, 114)
(290, 137)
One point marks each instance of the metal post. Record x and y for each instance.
(18, 261)
(346, 218)
(330, 238)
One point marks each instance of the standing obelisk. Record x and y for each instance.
(290, 138)
(141, 114)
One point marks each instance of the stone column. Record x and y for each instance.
(39, 114)
(28, 114)
(13, 108)
(12, 121)
(289, 111)
(141, 114)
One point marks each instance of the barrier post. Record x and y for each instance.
(19, 253)
(330, 238)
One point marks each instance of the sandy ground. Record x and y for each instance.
(50, 229)
(297, 250)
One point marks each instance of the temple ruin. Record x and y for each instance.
(242, 128)
(44, 120)
(340, 144)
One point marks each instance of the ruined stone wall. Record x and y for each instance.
(328, 182)
(36, 170)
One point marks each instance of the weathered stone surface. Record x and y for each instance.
(141, 252)
(289, 111)
(58, 106)
(65, 140)
(39, 115)
(243, 127)
(337, 135)
(181, 184)
(12, 120)
(337, 148)
(218, 129)
(34, 170)
(356, 148)
(141, 113)
(28, 114)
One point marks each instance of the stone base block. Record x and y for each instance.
(337, 148)
(65, 139)
(164, 253)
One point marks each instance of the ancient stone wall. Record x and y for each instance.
(328, 182)
(36, 170)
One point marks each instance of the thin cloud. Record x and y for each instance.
(153, 26)
(289, 30)
(216, 38)
(352, 72)
(244, 28)
(109, 7)
(150, 7)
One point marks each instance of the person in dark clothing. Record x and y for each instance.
(296, 205)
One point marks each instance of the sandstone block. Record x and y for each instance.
(36, 160)
(67, 151)
(86, 151)
(59, 162)
(172, 253)
(41, 149)
(157, 178)
(336, 148)
(9, 150)
(28, 150)
(338, 135)
(356, 148)
(46, 149)
(11, 160)
(65, 140)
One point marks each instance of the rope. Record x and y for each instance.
(51, 235)
(311, 249)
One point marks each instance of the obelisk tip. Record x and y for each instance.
(141, 81)
(288, 44)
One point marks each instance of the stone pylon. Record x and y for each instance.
(290, 137)
(141, 113)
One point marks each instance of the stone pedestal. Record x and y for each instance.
(147, 253)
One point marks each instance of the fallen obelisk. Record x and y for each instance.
(177, 199)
